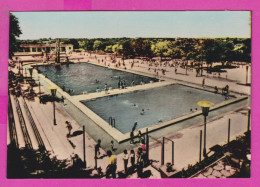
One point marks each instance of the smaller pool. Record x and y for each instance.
(151, 106)
(83, 77)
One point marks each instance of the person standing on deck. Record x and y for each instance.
(140, 162)
(97, 152)
(203, 82)
(112, 165)
(125, 159)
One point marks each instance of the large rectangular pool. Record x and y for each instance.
(148, 107)
(83, 77)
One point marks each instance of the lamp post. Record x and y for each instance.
(205, 111)
(21, 66)
(39, 86)
(246, 74)
(53, 93)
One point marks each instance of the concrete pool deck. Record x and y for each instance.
(186, 138)
(113, 132)
(185, 134)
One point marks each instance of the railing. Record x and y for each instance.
(26, 136)
(11, 123)
(34, 127)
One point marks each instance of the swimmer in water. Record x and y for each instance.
(142, 113)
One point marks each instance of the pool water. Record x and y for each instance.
(151, 106)
(84, 77)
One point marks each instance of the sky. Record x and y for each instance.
(114, 24)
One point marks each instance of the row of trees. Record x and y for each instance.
(209, 50)
(196, 49)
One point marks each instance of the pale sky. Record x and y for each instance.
(113, 24)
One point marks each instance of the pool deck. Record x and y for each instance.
(113, 132)
(185, 134)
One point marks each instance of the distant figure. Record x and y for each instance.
(142, 112)
(131, 137)
(106, 88)
(69, 127)
(203, 82)
(140, 136)
(112, 145)
(124, 83)
(140, 162)
(132, 159)
(134, 127)
(97, 152)
(133, 83)
(216, 89)
(97, 148)
(62, 99)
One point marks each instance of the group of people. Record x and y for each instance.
(137, 160)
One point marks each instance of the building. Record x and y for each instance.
(46, 48)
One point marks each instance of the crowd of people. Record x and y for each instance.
(132, 161)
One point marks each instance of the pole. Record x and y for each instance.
(114, 123)
(162, 153)
(147, 144)
(84, 147)
(228, 130)
(246, 75)
(110, 121)
(200, 145)
(172, 152)
(248, 120)
(39, 88)
(54, 118)
(204, 148)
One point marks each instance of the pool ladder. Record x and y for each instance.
(112, 122)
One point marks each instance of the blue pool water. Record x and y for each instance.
(84, 77)
(159, 104)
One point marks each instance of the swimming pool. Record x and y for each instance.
(149, 107)
(85, 77)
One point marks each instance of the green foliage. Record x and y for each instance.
(74, 42)
(28, 163)
(14, 33)
(211, 50)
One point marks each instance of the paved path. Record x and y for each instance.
(186, 139)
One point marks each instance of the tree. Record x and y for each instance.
(74, 42)
(160, 48)
(117, 49)
(14, 33)
(140, 47)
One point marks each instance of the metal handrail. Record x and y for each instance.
(34, 127)
(26, 136)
